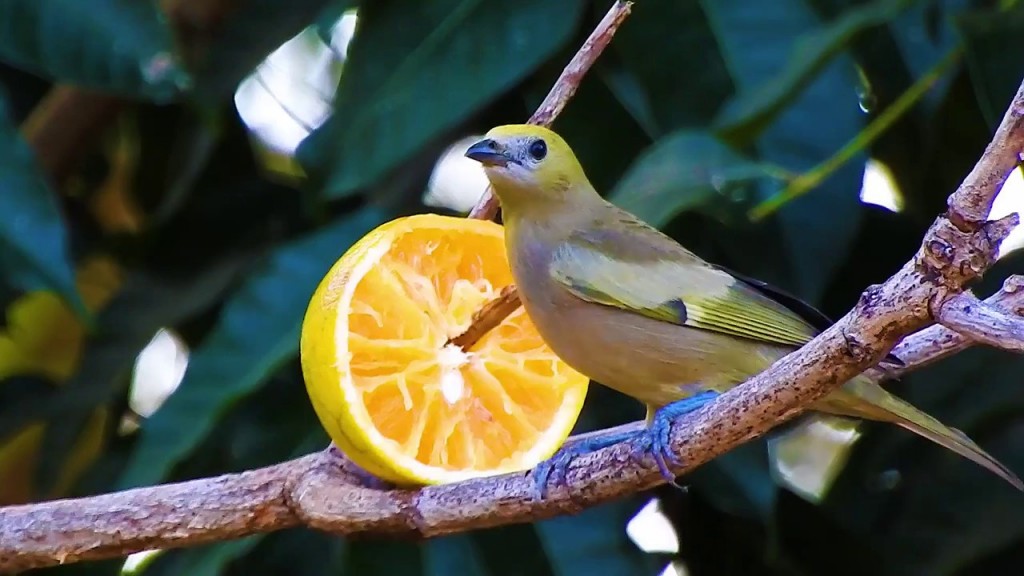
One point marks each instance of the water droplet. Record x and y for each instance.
(866, 97)
(867, 101)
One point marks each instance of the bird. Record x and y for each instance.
(632, 309)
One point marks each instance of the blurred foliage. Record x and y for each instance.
(171, 217)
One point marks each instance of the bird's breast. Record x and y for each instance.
(656, 362)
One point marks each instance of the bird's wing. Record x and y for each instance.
(626, 264)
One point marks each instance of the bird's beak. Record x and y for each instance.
(488, 152)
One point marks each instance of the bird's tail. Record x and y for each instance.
(864, 398)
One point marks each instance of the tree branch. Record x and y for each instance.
(982, 322)
(938, 342)
(316, 491)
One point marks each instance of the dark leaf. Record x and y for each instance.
(746, 117)
(252, 32)
(669, 51)
(455, 554)
(33, 242)
(210, 560)
(116, 46)
(595, 542)
(818, 121)
(258, 330)
(416, 70)
(374, 557)
(145, 304)
(681, 172)
(994, 56)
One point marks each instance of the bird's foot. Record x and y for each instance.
(652, 440)
(554, 468)
(656, 436)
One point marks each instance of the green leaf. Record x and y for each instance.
(513, 551)
(921, 44)
(401, 91)
(681, 172)
(255, 29)
(594, 542)
(146, 303)
(33, 242)
(820, 120)
(257, 331)
(384, 558)
(209, 560)
(456, 554)
(668, 47)
(994, 57)
(746, 117)
(118, 46)
(739, 482)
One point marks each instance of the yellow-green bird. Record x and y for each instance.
(632, 309)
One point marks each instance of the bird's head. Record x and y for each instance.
(528, 164)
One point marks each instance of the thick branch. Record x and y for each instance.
(938, 342)
(971, 204)
(172, 515)
(317, 489)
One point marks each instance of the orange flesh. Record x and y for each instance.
(424, 291)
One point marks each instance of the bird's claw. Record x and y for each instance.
(555, 468)
(652, 440)
(657, 436)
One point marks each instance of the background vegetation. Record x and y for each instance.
(135, 198)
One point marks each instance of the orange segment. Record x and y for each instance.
(390, 390)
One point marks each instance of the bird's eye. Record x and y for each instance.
(538, 149)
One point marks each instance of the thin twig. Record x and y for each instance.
(564, 89)
(494, 313)
(488, 318)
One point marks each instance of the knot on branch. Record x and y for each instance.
(952, 256)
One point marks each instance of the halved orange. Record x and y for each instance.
(395, 395)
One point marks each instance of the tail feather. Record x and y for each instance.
(866, 399)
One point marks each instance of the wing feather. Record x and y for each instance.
(629, 265)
